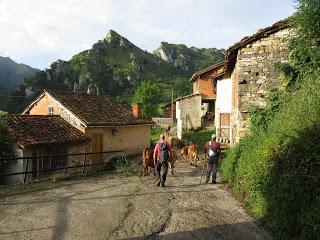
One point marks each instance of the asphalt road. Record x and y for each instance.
(108, 206)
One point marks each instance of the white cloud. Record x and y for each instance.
(39, 31)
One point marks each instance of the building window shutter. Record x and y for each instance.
(50, 110)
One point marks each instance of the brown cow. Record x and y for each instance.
(193, 154)
(184, 154)
(147, 161)
(172, 160)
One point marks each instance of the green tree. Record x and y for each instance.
(305, 56)
(5, 140)
(148, 94)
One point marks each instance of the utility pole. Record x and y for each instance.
(172, 107)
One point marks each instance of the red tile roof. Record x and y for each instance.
(231, 53)
(97, 110)
(35, 130)
(213, 67)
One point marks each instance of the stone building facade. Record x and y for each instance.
(255, 75)
(250, 64)
(188, 113)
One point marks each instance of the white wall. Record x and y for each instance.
(224, 96)
(14, 166)
(224, 99)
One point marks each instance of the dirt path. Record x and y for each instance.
(112, 207)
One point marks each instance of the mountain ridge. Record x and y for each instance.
(112, 66)
(13, 73)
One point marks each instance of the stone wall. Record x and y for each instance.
(189, 113)
(254, 74)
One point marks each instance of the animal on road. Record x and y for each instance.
(193, 151)
(147, 161)
(184, 154)
(173, 159)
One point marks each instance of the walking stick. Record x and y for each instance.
(202, 171)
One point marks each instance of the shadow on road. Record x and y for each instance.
(38, 201)
(61, 220)
(239, 231)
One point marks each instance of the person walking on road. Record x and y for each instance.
(161, 155)
(212, 152)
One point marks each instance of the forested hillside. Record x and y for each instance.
(12, 73)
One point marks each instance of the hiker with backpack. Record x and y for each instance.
(212, 152)
(161, 155)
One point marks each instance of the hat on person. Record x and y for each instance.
(213, 136)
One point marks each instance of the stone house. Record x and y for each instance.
(168, 108)
(40, 136)
(188, 113)
(109, 125)
(197, 110)
(247, 74)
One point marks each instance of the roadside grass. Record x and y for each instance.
(155, 134)
(200, 138)
(129, 166)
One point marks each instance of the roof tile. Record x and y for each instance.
(97, 110)
(35, 130)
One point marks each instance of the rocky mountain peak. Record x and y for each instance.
(188, 59)
(115, 39)
(165, 52)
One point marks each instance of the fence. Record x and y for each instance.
(158, 120)
(87, 159)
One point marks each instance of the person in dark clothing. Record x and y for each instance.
(212, 152)
(161, 155)
(167, 131)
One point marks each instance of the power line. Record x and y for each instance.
(13, 96)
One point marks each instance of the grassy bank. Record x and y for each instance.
(276, 171)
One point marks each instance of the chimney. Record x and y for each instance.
(137, 109)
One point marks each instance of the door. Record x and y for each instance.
(224, 130)
(97, 147)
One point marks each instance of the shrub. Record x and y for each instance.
(200, 137)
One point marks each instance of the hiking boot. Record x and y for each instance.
(162, 185)
(158, 183)
(214, 182)
(207, 180)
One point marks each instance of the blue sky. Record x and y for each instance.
(38, 32)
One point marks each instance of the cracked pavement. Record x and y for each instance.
(107, 206)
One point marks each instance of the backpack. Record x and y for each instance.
(212, 152)
(164, 153)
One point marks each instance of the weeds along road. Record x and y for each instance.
(112, 207)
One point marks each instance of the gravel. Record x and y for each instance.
(108, 206)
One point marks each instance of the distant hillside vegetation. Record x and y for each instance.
(12, 73)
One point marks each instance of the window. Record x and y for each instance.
(50, 110)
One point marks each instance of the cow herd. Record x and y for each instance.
(188, 154)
